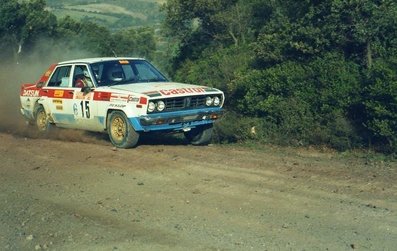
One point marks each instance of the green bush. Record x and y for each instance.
(380, 103)
(216, 68)
(303, 104)
(233, 127)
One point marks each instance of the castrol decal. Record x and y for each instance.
(182, 91)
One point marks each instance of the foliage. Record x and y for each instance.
(21, 24)
(380, 104)
(294, 72)
(25, 25)
(316, 72)
(235, 128)
(216, 68)
(112, 14)
(308, 103)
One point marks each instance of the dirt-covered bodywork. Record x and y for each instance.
(121, 96)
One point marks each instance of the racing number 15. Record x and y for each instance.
(85, 109)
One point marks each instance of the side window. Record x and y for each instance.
(60, 78)
(81, 77)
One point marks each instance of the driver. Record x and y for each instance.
(115, 73)
(83, 80)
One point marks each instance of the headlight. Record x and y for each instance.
(160, 106)
(208, 101)
(217, 101)
(151, 107)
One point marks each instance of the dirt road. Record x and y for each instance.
(63, 195)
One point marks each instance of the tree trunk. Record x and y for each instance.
(235, 39)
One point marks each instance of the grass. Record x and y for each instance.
(78, 15)
(113, 14)
(104, 8)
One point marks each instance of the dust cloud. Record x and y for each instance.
(13, 74)
(11, 78)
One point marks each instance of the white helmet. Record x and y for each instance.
(86, 74)
(115, 73)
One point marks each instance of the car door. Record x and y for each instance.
(83, 107)
(58, 95)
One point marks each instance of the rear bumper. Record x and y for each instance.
(28, 115)
(176, 121)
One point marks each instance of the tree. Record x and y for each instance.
(379, 100)
(10, 22)
(363, 30)
(195, 26)
(135, 42)
(22, 24)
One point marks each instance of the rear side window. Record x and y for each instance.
(61, 77)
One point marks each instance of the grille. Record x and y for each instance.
(183, 103)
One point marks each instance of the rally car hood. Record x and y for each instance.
(159, 89)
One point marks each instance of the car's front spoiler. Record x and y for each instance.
(175, 121)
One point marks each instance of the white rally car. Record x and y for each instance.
(124, 97)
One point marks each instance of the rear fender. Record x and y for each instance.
(44, 102)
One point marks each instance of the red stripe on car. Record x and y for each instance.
(57, 93)
(102, 96)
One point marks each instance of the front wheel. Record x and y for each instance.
(200, 135)
(121, 133)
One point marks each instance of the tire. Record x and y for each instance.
(41, 121)
(121, 133)
(199, 136)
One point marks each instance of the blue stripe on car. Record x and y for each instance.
(135, 121)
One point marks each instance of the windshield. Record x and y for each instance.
(125, 72)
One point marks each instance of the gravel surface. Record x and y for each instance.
(57, 194)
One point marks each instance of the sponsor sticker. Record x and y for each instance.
(58, 93)
(59, 107)
(182, 91)
(30, 93)
(117, 105)
(57, 101)
(132, 99)
(82, 95)
(118, 98)
(75, 109)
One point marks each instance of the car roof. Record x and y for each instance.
(96, 60)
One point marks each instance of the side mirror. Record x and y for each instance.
(86, 89)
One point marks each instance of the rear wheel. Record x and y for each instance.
(199, 135)
(121, 133)
(41, 120)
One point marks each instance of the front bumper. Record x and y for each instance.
(176, 121)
